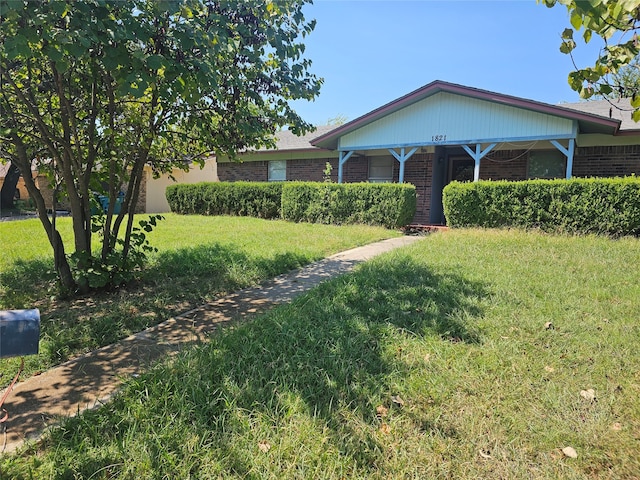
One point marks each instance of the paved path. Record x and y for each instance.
(88, 381)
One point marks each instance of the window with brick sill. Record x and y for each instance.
(277, 170)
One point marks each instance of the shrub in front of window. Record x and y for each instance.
(389, 205)
(608, 206)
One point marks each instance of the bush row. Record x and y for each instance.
(251, 199)
(390, 205)
(609, 206)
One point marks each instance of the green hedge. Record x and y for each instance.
(255, 199)
(609, 206)
(390, 205)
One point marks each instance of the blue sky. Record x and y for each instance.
(372, 52)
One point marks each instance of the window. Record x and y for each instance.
(381, 170)
(277, 170)
(547, 164)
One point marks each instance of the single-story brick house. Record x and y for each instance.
(443, 132)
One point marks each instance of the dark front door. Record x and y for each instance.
(450, 164)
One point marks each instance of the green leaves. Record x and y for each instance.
(604, 19)
(114, 86)
(16, 46)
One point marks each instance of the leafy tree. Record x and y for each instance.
(338, 120)
(616, 23)
(102, 88)
(626, 81)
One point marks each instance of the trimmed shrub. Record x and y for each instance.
(255, 199)
(389, 205)
(609, 206)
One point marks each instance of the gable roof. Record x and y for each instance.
(588, 122)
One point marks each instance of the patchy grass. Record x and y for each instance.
(431, 362)
(199, 259)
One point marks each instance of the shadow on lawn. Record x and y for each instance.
(176, 281)
(329, 356)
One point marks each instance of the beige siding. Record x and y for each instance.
(156, 199)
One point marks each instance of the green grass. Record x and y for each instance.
(199, 259)
(429, 362)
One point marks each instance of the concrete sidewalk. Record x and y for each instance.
(88, 381)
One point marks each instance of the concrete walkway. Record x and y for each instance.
(89, 381)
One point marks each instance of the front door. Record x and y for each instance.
(450, 164)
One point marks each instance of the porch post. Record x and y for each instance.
(402, 158)
(344, 156)
(477, 155)
(476, 163)
(567, 152)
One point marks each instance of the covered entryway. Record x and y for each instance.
(450, 163)
(444, 131)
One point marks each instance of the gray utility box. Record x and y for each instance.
(19, 332)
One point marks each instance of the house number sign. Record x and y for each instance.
(438, 138)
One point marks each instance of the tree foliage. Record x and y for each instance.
(626, 80)
(616, 23)
(94, 91)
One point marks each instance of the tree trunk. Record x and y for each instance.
(9, 185)
(63, 269)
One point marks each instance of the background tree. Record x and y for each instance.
(616, 23)
(626, 80)
(9, 185)
(105, 87)
(339, 119)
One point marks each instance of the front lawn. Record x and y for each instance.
(199, 259)
(472, 354)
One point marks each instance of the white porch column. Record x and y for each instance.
(402, 158)
(344, 156)
(567, 152)
(477, 155)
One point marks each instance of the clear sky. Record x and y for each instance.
(372, 52)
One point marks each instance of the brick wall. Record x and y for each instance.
(243, 171)
(418, 170)
(504, 165)
(311, 170)
(498, 165)
(616, 161)
(356, 169)
(611, 161)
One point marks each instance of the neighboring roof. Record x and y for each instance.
(588, 122)
(617, 109)
(287, 140)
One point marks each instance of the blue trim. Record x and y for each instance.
(572, 148)
(567, 152)
(459, 142)
(477, 156)
(402, 158)
(341, 161)
(560, 147)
